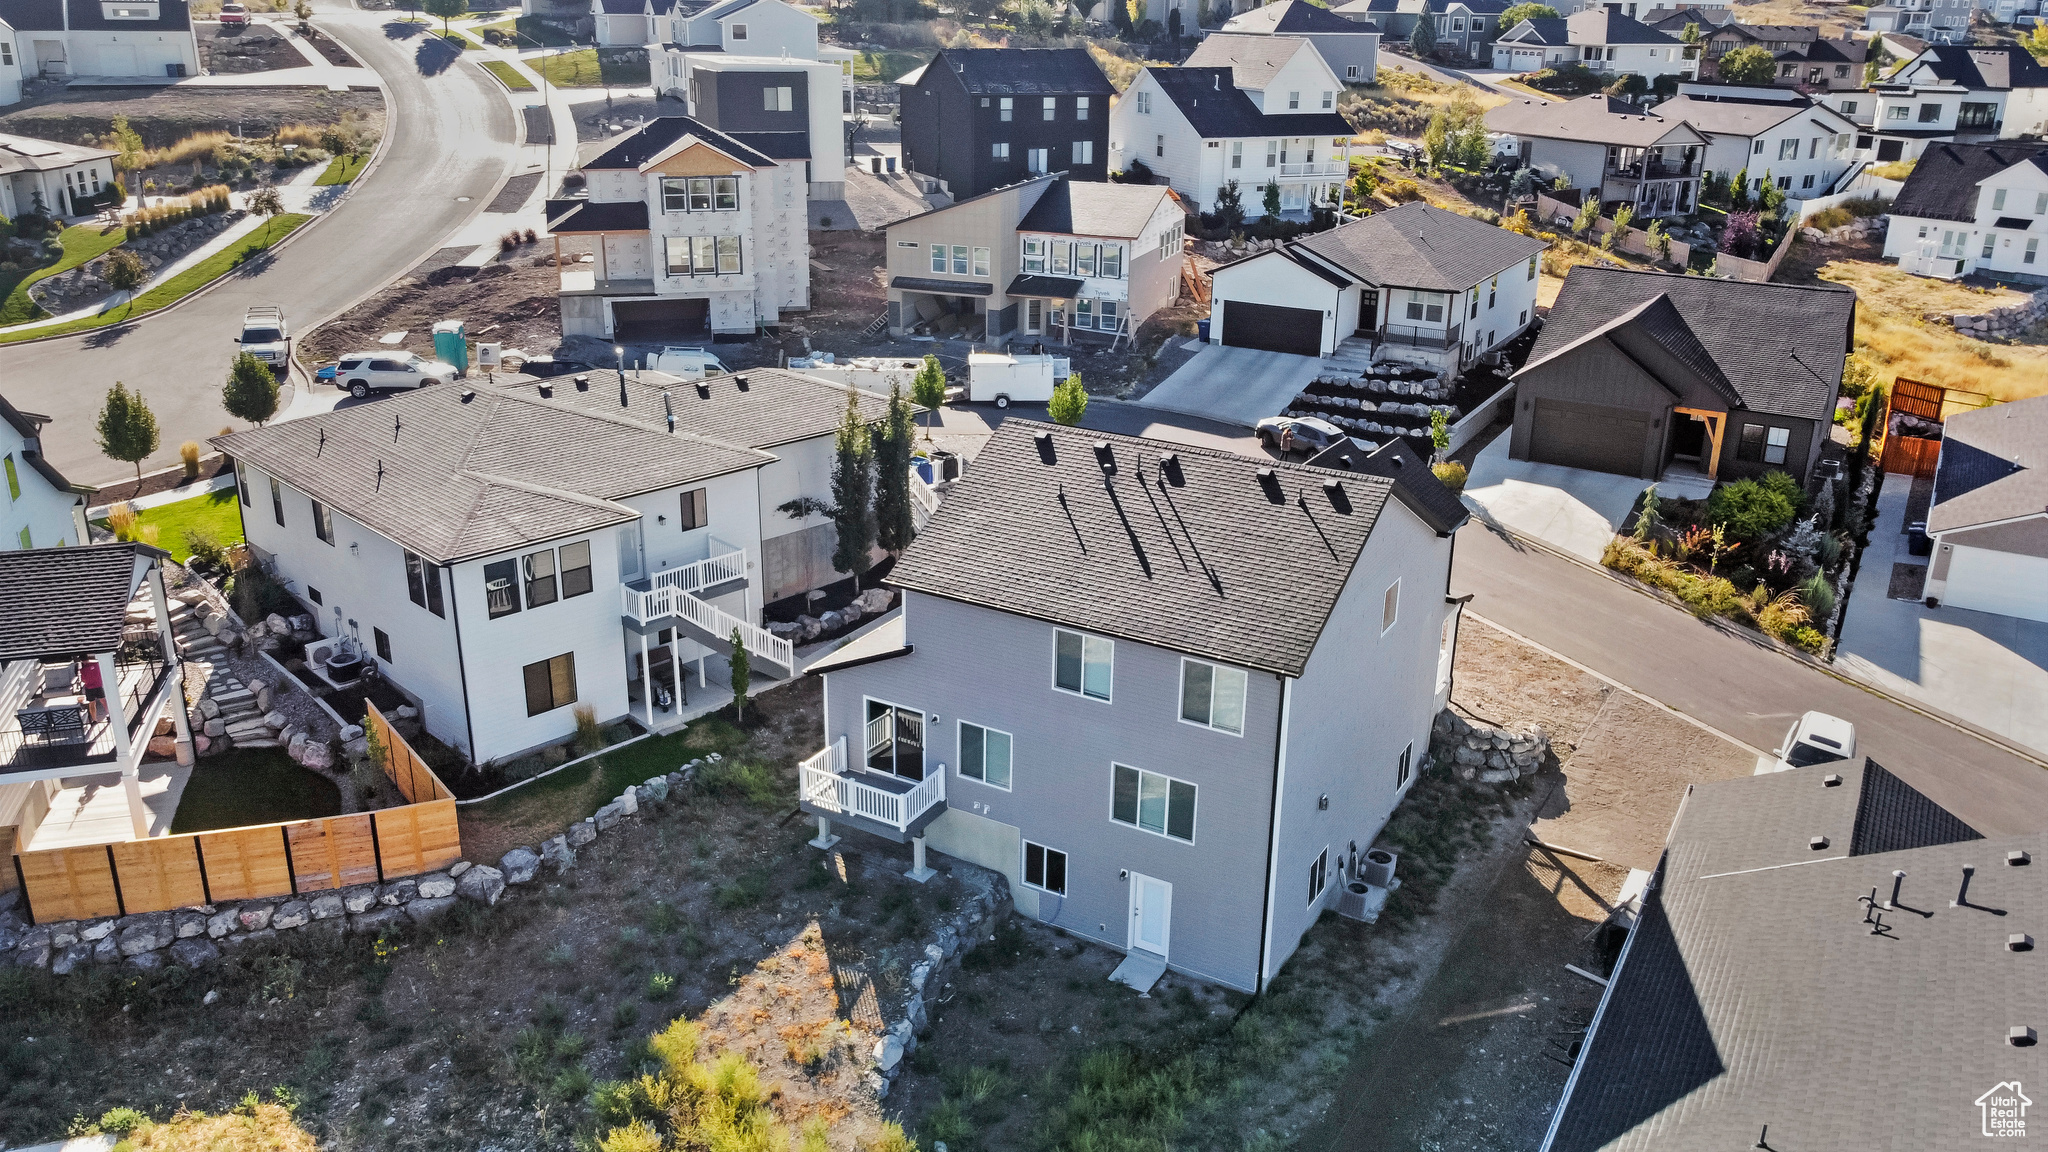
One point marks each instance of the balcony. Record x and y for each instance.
(49, 734)
(1422, 336)
(889, 806)
(676, 598)
(1653, 170)
(1325, 168)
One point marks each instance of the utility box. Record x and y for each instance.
(451, 344)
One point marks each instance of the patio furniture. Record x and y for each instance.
(52, 724)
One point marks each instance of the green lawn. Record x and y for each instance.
(81, 243)
(509, 76)
(574, 793)
(212, 513)
(532, 31)
(240, 787)
(583, 69)
(177, 287)
(885, 66)
(460, 41)
(343, 169)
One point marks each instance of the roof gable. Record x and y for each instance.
(689, 156)
(1022, 71)
(1086, 208)
(1993, 466)
(1596, 118)
(1944, 182)
(651, 139)
(69, 601)
(1254, 61)
(1417, 245)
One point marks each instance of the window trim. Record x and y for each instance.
(1319, 876)
(1244, 697)
(277, 501)
(575, 691)
(960, 754)
(382, 642)
(511, 566)
(1136, 823)
(1404, 768)
(534, 584)
(693, 509)
(1390, 604)
(1082, 692)
(562, 569)
(1044, 862)
(323, 523)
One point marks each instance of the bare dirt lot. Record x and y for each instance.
(257, 48)
(512, 302)
(165, 115)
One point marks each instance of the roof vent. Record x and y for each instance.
(1217, 81)
(703, 390)
(546, 389)
(740, 382)
(1169, 467)
(1817, 843)
(1105, 457)
(2021, 1036)
(2018, 858)
(1831, 780)
(583, 383)
(468, 395)
(1265, 474)
(1344, 462)
(1046, 455)
(2019, 942)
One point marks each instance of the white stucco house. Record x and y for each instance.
(1959, 92)
(1989, 518)
(1974, 208)
(1801, 143)
(1599, 39)
(42, 508)
(97, 38)
(48, 178)
(1608, 148)
(10, 67)
(1350, 47)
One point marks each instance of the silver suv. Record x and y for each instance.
(362, 373)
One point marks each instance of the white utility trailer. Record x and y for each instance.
(1001, 378)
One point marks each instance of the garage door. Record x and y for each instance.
(651, 321)
(1272, 328)
(1589, 436)
(2007, 583)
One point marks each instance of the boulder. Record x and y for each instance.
(426, 909)
(328, 905)
(147, 961)
(319, 757)
(557, 854)
(145, 933)
(163, 747)
(580, 833)
(215, 727)
(657, 787)
(376, 920)
(519, 865)
(482, 884)
(274, 719)
(209, 707)
(70, 959)
(398, 892)
(291, 914)
(405, 712)
(187, 923)
(628, 802)
(277, 624)
(790, 631)
(360, 898)
(607, 816)
(351, 732)
(888, 1054)
(436, 885)
(255, 915)
(213, 624)
(221, 923)
(107, 951)
(456, 869)
(296, 745)
(96, 931)
(193, 953)
(250, 938)
(62, 935)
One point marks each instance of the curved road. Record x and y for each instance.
(452, 137)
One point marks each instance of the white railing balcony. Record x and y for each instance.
(923, 501)
(827, 788)
(660, 594)
(1329, 168)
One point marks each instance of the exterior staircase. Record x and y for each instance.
(676, 596)
(240, 718)
(1351, 358)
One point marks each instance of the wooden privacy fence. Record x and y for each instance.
(1918, 455)
(294, 858)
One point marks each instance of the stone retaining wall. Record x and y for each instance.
(1999, 323)
(1489, 755)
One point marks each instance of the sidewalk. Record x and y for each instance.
(552, 160)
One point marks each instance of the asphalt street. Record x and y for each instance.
(452, 137)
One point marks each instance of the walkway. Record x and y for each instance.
(94, 809)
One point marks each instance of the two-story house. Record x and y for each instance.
(1051, 258)
(690, 237)
(1599, 39)
(1465, 29)
(43, 509)
(1974, 208)
(125, 39)
(1654, 11)
(1413, 283)
(506, 552)
(1800, 143)
(1351, 48)
(1267, 117)
(1942, 21)
(1805, 58)
(45, 177)
(1962, 93)
(1610, 149)
(1172, 694)
(976, 119)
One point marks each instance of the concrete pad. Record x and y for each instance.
(1574, 510)
(1234, 385)
(94, 809)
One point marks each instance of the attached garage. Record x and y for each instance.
(1591, 436)
(1276, 303)
(652, 321)
(2007, 583)
(1273, 327)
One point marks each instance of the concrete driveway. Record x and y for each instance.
(1981, 668)
(1234, 385)
(1571, 509)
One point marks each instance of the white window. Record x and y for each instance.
(1532, 268)
(1158, 146)
(1084, 151)
(1329, 101)
(1446, 646)
(1082, 664)
(981, 261)
(1237, 153)
(1272, 153)
(1293, 100)
(1351, 72)
(1152, 803)
(1084, 259)
(1848, 107)
(739, 31)
(1806, 181)
(6, 52)
(1004, 109)
(1084, 312)
(1788, 149)
(1403, 766)
(1318, 876)
(1758, 150)
(1034, 254)
(1898, 112)
(1035, 161)
(1045, 869)
(985, 755)
(1145, 103)
(999, 151)
(938, 257)
(2041, 204)
(1080, 107)
(1112, 265)
(2033, 250)
(960, 260)
(777, 99)
(1998, 200)
(1390, 607)
(1108, 319)
(1052, 104)
(1212, 695)
(1775, 441)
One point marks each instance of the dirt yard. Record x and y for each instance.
(257, 48)
(512, 302)
(165, 115)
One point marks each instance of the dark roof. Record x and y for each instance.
(1751, 993)
(1606, 25)
(33, 15)
(171, 16)
(1088, 208)
(1213, 104)
(1837, 52)
(943, 287)
(1024, 71)
(30, 426)
(1414, 484)
(1051, 287)
(1994, 465)
(1547, 30)
(646, 142)
(1737, 115)
(1420, 246)
(1780, 347)
(1677, 21)
(68, 601)
(1657, 320)
(2004, 67)
(610, 216)
(1206, 556)
(1293, 17)
(1596, 118)
(1943, 184)
(624, 7)
(777, 145)
(1770, 33)
(1253, 60)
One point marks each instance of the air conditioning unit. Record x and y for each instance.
(1361, 901)
(1378, 869)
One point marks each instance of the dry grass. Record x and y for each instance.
(1890, 332)
(1832, 21)
(250, 1128)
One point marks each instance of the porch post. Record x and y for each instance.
(1718, 426)
(825, 837)
(675, 671)
(175, 668)
(646, 682)
(124, 754)
(918, 871)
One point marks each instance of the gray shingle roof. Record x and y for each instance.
(1658, 320)
(1546, 30)
(1605, 25)
(1779, 346)
(2004, 67)
(1204, 557)
(1253, 60)
(1086, 208)
(609, 216)
(1420, 246)
(68, 601)
(1213, 104)
(1994, 466)
(1292, 17)
(1414, 484)
(1596, 119)
(1753, 993)
(171, 16)
(1943, 184)
(1734, 115)
(1024, 71)
(33, 15)
(641, 145)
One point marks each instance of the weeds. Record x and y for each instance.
(744, 891)
(732, 779)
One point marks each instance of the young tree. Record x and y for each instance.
(853, 492)
(1589, 211)
(1422, 41)
(1658, 241)
(1069, 402)
(1738, 192)
(1436, 138)
(1526, 11)
(127, 428)
(1691, 35)
(125, 270)
(1622, 217)
(1750, 64)
(742, 675)
(446, 10)
(1270, 201)
(1470, 144)
(928, 390)
(1173, 27)
(266, 202)
(251, 391)
(1439, 433)
(1769, 197)
(892, 475)
(1230, 206)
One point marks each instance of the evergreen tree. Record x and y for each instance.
(928, 390)
(1738, 192)
(251, 391)
(127, 428)
(1069, 401)
(853, 492)
(1422, 41)
(1271, 200)
(892, 475)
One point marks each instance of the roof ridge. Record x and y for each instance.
(621, 421)
(570, 495)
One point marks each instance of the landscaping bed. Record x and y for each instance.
(254, 48)
(213, 516)
(165, 115)
(594, 67)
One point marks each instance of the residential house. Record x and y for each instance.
(10, 67)
(1943, 21)
(1655, 11)
(65, 624)
(1637, 372)
(1189, 724)
(44, 177)
(1989, 516)
(977, 119)
(507, 551)
(1804, 57)
(1610, 149)
(1816, 915)
(1051, 258)
(1416, 282)
(690, 237)
(1794, 140)
(1598, 39)
(1269, 118)
(99, 38)
(1961, 93)
(1349, 47)
(628, 23)
(1974, 209)
(43, 509)
(1675, 20)
(1465, 29)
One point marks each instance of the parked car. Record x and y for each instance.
(234, 16)
(365, 372)
(688, 363)
(1306, 434)
(1815, 738)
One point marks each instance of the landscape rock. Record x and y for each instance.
(436, 885)
(248, 938)
(657, 787)
(580, 833)
(275, 720)
(426, 909)
(888, 1054)
(482, 884)
(377, 920)
(557, 854)
(456, 869)
(221, 923)
(62, 935)
(606, 817)
(398, 892)
(519, 865)
(193, 953)
(351, 732)
(147, 961)
(327, 906)
(145, 933)
(628, 802)
(96, 931)
(215, 727)
(107, 951)
(187, 923)
(211, 998)
(360, 898)
(70, 959)
(291, 914)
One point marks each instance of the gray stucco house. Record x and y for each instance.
(1172, 694)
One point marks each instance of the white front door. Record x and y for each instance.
(1151, 914)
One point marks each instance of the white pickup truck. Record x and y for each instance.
(1815, 738)
(266, 337)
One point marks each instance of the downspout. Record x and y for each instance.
(1273, 834)
(461, 669)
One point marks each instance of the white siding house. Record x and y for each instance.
(1974, 208)
(42, 509)
(1990, 524)
(1801, 144)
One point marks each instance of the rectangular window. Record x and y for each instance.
(985, 755)
(1145, 103)
(959, 259)
(693, 515)
(1212, 695)
(703, 255)
(1052, 104)
(501, 588)
(1045, 868)
(1272, 153)
(14, 479)
(938, 257)
(1237, 153)
(1351, 72)
(242, 483)
(1084, 313)
(1532, 268)
(675, 194)
(1775, 443)
(1807, 182)
(726, 191)
(1084, 151)
(313, 594)
(277, 503)
(1000, 151)
(1084, 259)
(677, 251)
(1788, 149)
(1034, 254)
(2033, 250)
(1929, 113)
(1036, 161)
(323, 523)
(383, 644)
(739, 31)
(1318, 876)
(1080, 107)
(1898, 112)
(1112, 267)
(1153, 803)
(981, 261)
(423, 583)
(1403, 766)
(1990, 242)
(728, 255)
(1158, 147)
(1082, 664)
(1062, 257)
(1848, 107)
(550, 684)
(778, 99)
(1004, 110)
(1998, 200)
(539, 569)
(700, 193)
(1752, 446)
(1390, 607)
(1329, 100)
(576, 569)
(1107, 320)
(1293, 101)
(2041, 204)
(26, 539)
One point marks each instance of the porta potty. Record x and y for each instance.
(451, 344)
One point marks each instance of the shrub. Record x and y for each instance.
(1451, 473)
(744, 891)
(1750, 509)
(1819, 596)
(121, 520)
(121, 1121)
(589, 733)
(206, 549)
(733, 779)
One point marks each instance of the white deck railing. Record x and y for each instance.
(923, 501)
(826, 785)
(673, 592)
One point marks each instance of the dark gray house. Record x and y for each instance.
(981, 118)
(1172, 694)
(1636, 371)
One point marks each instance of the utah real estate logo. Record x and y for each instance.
(2004, 1110)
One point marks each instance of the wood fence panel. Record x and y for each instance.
(418, 838)
(69, 884)
(1918, 398)
(415, 781)
(1911, 455)
(159, 875)
(336, 852)
(245, 863)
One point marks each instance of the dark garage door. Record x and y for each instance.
(1590, 436)
(652, 321)
(1272, 328)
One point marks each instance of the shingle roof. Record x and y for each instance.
(30, 426)
(1676, 22)
(1943, 184)
(1546, 30)
(1658, 320)
(1292, 17)
(1216, 108)
(1204, 557)
(1735, 115)
(1049, 287)
(68, 601)
(643, 144)
(1994, 466)
(1597, 118)
(2004, 67)
(1780, 346)
(33, 15)
(1087, 208)
(608, 216)
(1752, 993)
(1025, 71)
(1253, 60)
(1420, 246)
(1414, 484)
(777, 145)
(1605, 25)
(623, 7)
(171, 16)
(28, 154)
